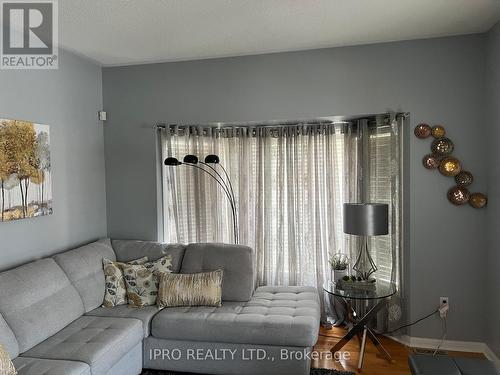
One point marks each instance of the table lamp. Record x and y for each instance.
(366, 219)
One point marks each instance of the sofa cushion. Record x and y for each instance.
(238, 360)
(424, 364)
(37, 366)
(274, 316)
(126, 250)
(7, 339)
(130, 363)
(100, 342)
(83, 266)
(144, 314)
(474, 366)
(37, 300)
(234, 260)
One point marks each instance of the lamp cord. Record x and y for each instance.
(445, 332)
(412, 323)
(443, 338)
(404, 326)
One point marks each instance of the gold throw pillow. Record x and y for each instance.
(197, 289)
(115, 291)
(6, 365)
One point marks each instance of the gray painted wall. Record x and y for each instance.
(67, 99)
(493, 96)
(438, 81)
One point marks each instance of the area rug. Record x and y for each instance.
(314, 371)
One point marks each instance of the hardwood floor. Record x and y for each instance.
(374, 364)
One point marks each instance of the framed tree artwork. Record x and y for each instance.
(25, 170)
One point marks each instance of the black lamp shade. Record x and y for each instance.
(366, 219)
(212, 159)
(190, 159)
(172, 162)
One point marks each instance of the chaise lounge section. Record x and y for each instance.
(52, 322)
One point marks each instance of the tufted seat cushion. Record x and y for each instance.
(421, 364)
(287, 316)
(471, 366)
(144, 314)
(100, 342)
(425, 364)
(36, 366)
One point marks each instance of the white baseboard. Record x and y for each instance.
(459, 346)
(488, 353)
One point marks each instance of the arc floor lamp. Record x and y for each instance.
(209, 167)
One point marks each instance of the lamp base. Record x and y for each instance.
(365, 265)
(368, 285)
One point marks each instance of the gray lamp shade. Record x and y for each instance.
(366, 219)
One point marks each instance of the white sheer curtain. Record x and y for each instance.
(290, 184)
(382, 183)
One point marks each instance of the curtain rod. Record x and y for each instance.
(276, 124)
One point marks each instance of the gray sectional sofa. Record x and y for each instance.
(52, 322)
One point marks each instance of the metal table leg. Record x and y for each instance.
(378, 345)
(362, 351)
(361, 327)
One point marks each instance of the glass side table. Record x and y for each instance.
(379, 295)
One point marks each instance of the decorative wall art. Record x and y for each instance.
(458, 195)
(441, 159)
(464, 178)
(442, 147)
(478, 200)
(422, 131)
(438, 131)
(431, 161)
(25, 173)
(450, 167)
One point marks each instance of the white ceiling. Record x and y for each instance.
(121, 32)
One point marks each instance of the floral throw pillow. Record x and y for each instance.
(115, 291)
(6, 365)
(142, 280)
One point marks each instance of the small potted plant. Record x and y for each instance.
(339, 264)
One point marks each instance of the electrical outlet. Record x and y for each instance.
(444, 306)
(444, 301)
